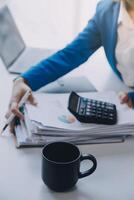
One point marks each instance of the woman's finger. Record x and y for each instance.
(32, 100)
(15, 110)
(124, 98)
(12, 125)
(130, 103)
(7, 115)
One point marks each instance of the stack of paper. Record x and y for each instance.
(51, 121)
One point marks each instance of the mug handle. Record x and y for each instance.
(92, 169)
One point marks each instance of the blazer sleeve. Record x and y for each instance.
(131, 95)
(67, 59)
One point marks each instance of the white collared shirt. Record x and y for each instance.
(124, 51)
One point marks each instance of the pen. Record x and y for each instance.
(12, 116)
(16, 119)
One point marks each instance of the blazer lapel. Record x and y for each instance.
(114, 36)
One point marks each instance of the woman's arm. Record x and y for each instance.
(66, 59)
(57, 65)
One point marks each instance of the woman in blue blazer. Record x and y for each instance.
(101, 30)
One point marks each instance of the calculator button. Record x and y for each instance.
(105, 110)
(93, 101)
(81, 111)
(87, 113)
(110, 108)
(98, 106)
(90, 104)
(99, 109)
(93, 104)
(94, 111)
(110, 104)
(111, 112)
(111, 118)
(94, 107)
(102, 106)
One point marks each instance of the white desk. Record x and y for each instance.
(20, 170)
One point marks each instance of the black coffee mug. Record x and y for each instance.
(61, 165)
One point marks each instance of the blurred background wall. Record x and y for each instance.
(51, 22)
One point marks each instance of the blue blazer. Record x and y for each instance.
(101, 30)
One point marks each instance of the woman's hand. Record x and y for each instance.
(19, 89)
(124, 98)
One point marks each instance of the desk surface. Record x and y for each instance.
(20, 169)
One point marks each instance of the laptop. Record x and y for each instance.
(68, 84)
(16, 56)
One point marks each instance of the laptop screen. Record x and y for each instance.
(11, 43)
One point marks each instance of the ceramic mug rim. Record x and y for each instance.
(61, 163)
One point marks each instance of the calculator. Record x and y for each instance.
(92, 111)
